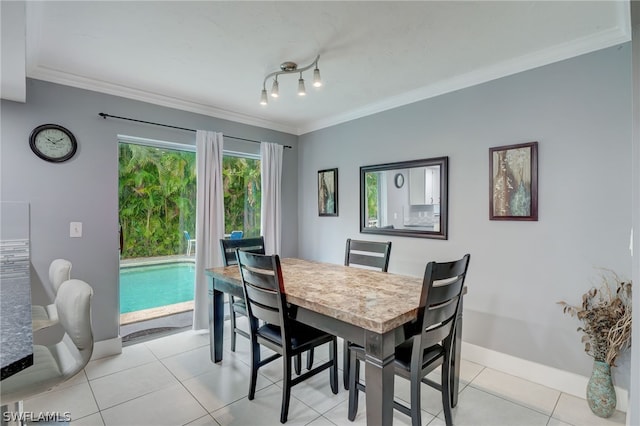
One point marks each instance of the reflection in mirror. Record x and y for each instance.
(408, 198)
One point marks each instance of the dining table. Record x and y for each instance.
(370, 308)
(16, 335)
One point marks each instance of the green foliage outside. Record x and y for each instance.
(157, 192)
(242, 195)
(371, 183)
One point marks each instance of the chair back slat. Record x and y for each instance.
(228, 248)
(372, 246)
(447, 270)
(441, 313)
(264, 304)
(443, 292)
(366, 260)
(259, 279)
(437, 334)
(372, 254)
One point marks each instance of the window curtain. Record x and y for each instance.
(271, 212)
(209, 218)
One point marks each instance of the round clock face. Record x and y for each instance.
(52, 142)
(399, 180)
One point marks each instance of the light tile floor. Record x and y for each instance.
(171, 381)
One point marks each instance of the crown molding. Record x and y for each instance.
(67, 79)
(512, 66)
(604, 39)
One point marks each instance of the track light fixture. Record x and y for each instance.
(290, 68)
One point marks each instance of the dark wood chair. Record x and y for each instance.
(370, 254)
(264, 293)
(237, 305)
(429, 340)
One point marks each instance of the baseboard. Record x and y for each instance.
(104, 348)
(564, 381)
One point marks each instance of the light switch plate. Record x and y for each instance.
(75, 229)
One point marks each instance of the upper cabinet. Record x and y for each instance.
(424, 185)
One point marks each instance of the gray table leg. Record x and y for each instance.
(216, 324)
(379, 375)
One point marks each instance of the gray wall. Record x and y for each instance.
(85, 189)
(579, 111)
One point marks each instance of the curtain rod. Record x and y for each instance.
(105, 116)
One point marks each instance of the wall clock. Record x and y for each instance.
(398, 180)
(53, 143)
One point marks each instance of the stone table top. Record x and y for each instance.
(16, 335)
(375, 301)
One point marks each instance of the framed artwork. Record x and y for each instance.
(513, 182)
(328, 192)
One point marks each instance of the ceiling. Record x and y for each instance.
(211, 57)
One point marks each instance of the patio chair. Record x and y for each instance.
(191, 242)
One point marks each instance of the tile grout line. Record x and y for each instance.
(94, 398)
(504, 398)
(187, 389)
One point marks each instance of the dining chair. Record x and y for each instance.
(237, 305)
(371, 255)
(264, 292)
(55, 364)
(429, 342)
(47, 316)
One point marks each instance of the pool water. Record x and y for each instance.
(152, 286)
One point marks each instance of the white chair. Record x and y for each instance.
(191, 242)
(53, 365)
(46, 316)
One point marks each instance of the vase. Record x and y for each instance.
(601, 395)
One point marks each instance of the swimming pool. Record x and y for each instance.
(152, 286)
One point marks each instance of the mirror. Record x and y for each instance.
(408, 198)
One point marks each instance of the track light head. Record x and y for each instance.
(317, 81)
(301, 90)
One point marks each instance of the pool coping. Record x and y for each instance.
(161, 311)
(152, 313)
(159, 260)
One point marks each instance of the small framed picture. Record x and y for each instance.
(513, 182)
(328, 192)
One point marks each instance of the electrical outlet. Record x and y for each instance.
(75, 229)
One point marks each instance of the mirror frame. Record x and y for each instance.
(442, 234)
